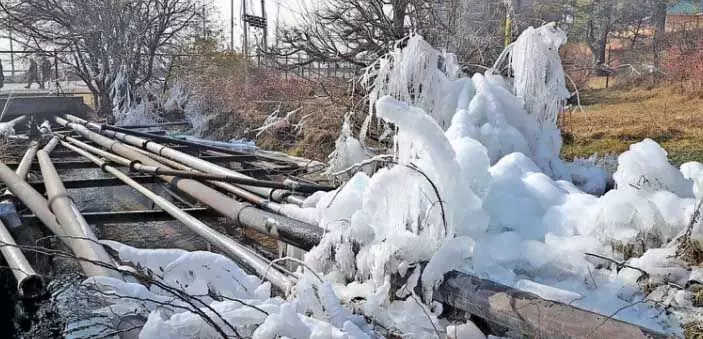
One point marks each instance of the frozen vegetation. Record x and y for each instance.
(477, 186)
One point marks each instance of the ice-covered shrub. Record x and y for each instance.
(487, 194)
(347, 151)
(514, 115)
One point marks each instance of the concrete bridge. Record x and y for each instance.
(40, 105)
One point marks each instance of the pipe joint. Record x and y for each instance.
(112, 145)
(279, 195)
(57, 197)
(133, 165)
(103, 166)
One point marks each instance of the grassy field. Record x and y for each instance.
(617, 118)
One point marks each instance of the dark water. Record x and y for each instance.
(7, 302)
(26, 318)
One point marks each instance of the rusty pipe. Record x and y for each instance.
(233, 249)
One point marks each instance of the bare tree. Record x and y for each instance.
(659, 19)
(345, 30)
(107, 42)
(605, 17)
(358, 31)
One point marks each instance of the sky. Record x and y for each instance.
(285, 10)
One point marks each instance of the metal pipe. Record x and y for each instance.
(186, 172)
(83, 241)
(224, 243)
(45, 127)
(32, 199)
(49, 147)
(243, 191)
(29, 283)
(163, 124)
(289, 185)
(291, 231)
(26, 162)
(106, 155)
(528, 314)
(166, 161)
(134, 138)
(239, 192)
(8, 208)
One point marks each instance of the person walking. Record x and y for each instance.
(33, 74)
(45, 72)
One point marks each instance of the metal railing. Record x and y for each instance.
(301, 66)
(50, 74)
(47, 73)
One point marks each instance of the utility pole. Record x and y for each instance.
(204, 15)
(231, 25)
(278, 17)
(265, 29)
(12, 54)
(245, 48)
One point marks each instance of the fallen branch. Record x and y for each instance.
(528, 314)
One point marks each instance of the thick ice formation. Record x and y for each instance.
(477, 187)
(646, 168)
(348, 150)
(418, 74)
(538, 77)
(487, 194)
(504, 117)
(6, 130)
(510, 222)
(195, 292)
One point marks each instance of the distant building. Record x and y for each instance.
(684, 15)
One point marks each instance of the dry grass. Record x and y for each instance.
(693, 252)
(617, 118)
(238, 103)
(693, 330)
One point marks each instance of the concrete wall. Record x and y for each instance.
(41, 105)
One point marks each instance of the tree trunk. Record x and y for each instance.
(659, 18)
(602, 47)
(399, 10)
(600, 25)
(636, 35)
(104, 105)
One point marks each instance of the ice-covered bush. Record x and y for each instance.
(485, 192)
(476, 186)
(514, 115)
